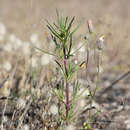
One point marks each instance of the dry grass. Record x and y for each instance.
(30, 71)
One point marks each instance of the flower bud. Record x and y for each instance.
(90, 26)
(100, 42)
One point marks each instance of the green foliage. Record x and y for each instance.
(62, 35)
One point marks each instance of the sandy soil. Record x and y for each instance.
(110, 17)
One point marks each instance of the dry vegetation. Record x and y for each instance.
(27, 75)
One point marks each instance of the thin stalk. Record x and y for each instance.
(67, 99)
(97, 82)
(67, 85)
(98, 73)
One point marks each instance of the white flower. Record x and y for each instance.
(34, 38)
(54, 109)
(45, 59)
(2, 29)
(7, 66)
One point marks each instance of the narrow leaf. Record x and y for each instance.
(70, 24)
(54, 40)
(56, 26)
(51, 28)
(66, 20)
(59, 65)
(54, 32)
(70, 46)
(45, 51)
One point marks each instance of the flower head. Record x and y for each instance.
(100, 42)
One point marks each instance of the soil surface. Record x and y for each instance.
(26, 17)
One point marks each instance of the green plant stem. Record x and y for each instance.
(67, 99)
(67, 86)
